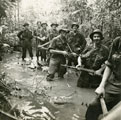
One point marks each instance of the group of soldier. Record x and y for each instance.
(66, 47)
(69, 47)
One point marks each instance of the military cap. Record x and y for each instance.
(38, 22)
(54, 24)
(98, 32)
(63, 29)
(44, 23)
(26, 24)
(75, 24)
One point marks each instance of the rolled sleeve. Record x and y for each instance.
(107, 63)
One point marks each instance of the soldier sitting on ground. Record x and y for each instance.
(93, 57)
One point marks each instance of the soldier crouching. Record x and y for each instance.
(58, 44)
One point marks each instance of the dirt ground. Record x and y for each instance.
(61, 97)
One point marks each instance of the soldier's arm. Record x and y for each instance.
(107, 73)
(19, 35)
(31, 36)
(100, 71)
(52, 44)
(101, 89)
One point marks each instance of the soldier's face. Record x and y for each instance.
(26, 27)
(75, 28)
(97, 38)
(63, 33)
(54, 27)
(44, 26)
(39, 24)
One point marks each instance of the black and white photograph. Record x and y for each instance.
(60, 59)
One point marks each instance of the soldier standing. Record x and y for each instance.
(25, 37)
(44, 39)
(76, 41)
(37, 34)
(93, 57)
(53, 32)
(110, 86)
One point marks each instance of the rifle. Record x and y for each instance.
(57, 51)
(80, 69)
(41, 46)
(47, 43)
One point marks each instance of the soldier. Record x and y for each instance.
(44, 39)
(53, 32)
(110, 86)
(93, 57)
(25, 37)
(76, 41)
(37, 34)
(59, 43)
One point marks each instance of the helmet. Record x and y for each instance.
(98, 32)
(75, 24)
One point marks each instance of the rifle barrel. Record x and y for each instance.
(80, 69)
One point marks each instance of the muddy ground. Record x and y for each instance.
(61, 97)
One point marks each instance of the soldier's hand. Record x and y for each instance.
(85, 55)
(100, 91)
(6, 45)
(74, 54)
(65, 53)
(78, 67)
(98, 72)
(43, 38)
